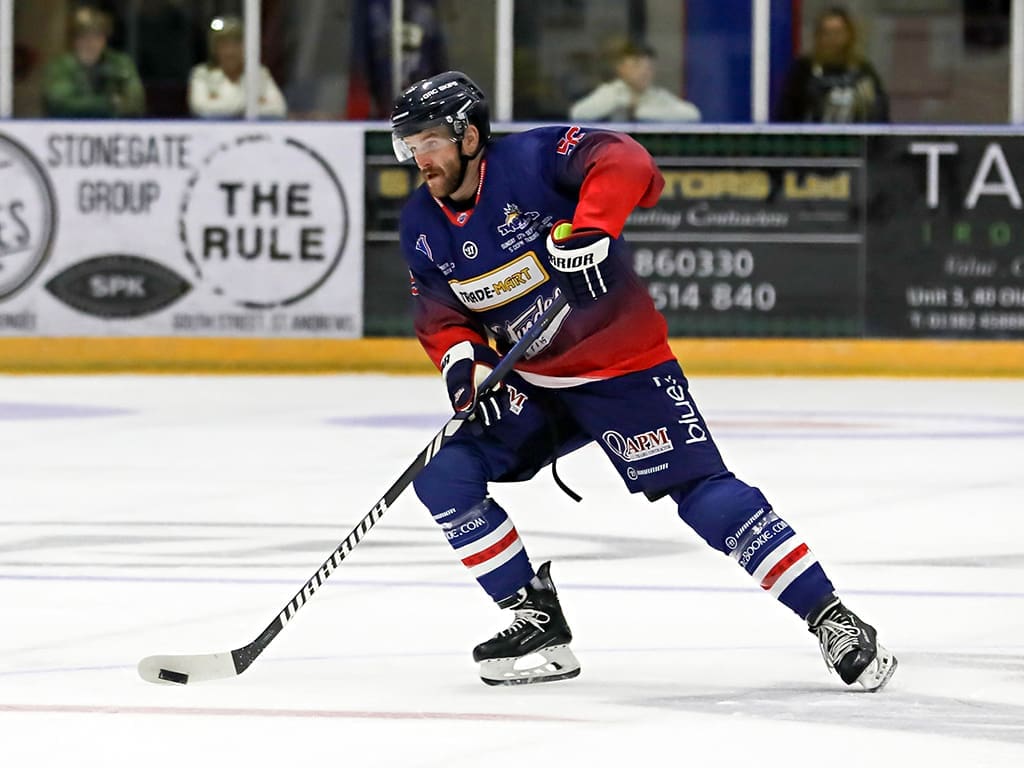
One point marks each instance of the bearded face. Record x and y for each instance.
(441, 170)
(437, 155)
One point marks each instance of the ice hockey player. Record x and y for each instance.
(495, 232)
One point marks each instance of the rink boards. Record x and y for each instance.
(210, 246)
(827, 357)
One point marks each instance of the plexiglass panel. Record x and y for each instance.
(140, 58)
(566, 49)
(936, 61)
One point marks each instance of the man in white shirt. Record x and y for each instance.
(217, 89)
(632, 97)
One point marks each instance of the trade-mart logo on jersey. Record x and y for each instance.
(502, 285)
(27, 217)
(264, 221)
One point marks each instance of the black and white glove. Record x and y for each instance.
(464, 368)
(576, 258)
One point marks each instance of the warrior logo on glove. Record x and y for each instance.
(576, 258)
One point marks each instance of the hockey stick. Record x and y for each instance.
(214, 666)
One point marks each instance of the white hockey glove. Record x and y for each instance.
(464, 367)
(576, 258)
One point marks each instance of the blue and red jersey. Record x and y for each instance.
(484, 272)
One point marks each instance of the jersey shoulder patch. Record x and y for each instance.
(569, 140)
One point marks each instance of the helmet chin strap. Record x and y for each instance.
(464, 161)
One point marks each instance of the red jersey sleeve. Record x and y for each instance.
(613, 174)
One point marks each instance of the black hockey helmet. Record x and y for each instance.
(450, 98)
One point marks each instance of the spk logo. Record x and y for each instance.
(264, 221)
(27, 216)
(117, 286)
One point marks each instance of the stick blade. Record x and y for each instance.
(182, 670)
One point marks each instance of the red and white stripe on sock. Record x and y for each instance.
(490, 552)
(783, 565)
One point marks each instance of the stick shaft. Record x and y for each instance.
(243, 657)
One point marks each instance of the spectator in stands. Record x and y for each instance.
(424, 53)
(92, 80)
(218, 88)
(633, 96)
(168, 42)
(834, 83)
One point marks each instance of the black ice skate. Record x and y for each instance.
(539, 634)
(850, 646)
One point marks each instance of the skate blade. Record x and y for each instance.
(879, 671)
(556, 662)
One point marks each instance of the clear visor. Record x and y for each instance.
(407, 147)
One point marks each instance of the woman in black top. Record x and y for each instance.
(834, 84)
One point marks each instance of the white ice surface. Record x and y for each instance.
(183, 522)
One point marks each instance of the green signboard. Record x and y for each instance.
(946, 237)
(793, 234)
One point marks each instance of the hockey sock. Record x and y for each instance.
(736, 519)
(454, 488)
(487, 543)
(779, 560)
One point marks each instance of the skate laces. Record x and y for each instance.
(523, 617)
(836, 637)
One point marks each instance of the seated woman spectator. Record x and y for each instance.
(633, 96)
(834, 84)
(92, 80)
(218, 88)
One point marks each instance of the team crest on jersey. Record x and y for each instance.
(569, 141)
(516, 220)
